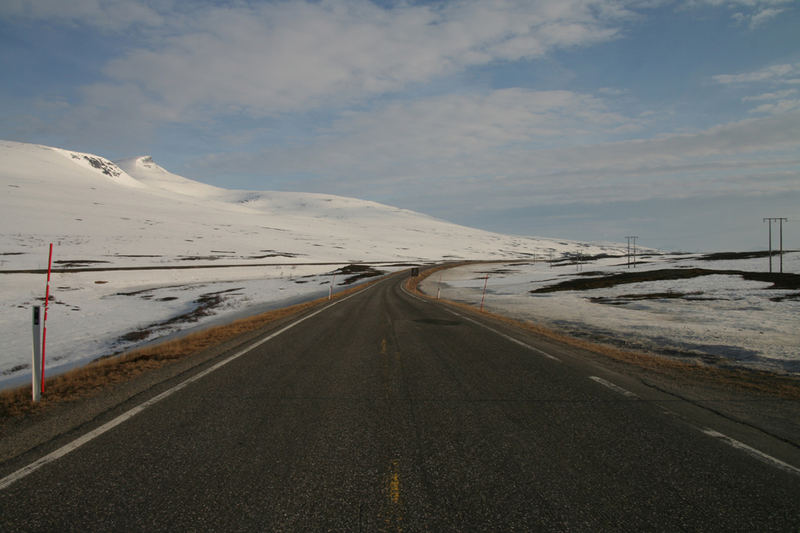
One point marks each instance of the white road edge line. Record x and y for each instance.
(80, 441)
(615, 388)
(417, 298)
(507, 337)
(408, 293)
(761, 456)
(512, 339)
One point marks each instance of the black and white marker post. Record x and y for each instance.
(36, 366)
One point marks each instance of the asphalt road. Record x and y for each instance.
(387, 413)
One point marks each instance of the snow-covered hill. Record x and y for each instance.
(133, 213)
(95, 209)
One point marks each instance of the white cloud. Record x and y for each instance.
(770, 96)
(758, 4)
(775, 102)
(751, 13)
(297, 55)
(108, 15)
(522, 148)
(772, 73)
(458, 134)
(612, 91)
(445, 141)
(763, 16)
(773, 76)
(708, 162)
(781, 106)
(752, 136)
(758, 17)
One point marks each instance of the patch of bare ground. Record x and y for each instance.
(727, 256)
(670, 295)
(75, 263)
(356, 273)
(792, 296)
(103, 374)
(778, 280)
(203, 307)
(746, 380)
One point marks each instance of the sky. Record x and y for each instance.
(675, 121)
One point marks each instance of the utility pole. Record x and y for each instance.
(632, 238)
(780, 226)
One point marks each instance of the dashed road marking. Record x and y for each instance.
(761, 456)
(615, 388)
(392, 511)
(394, 483)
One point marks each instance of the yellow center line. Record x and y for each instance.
(393, 513)
(394, 483)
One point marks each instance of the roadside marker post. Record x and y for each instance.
(36, 366)
(485, 283)
(46, 302)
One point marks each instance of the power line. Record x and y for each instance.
(780, 225)
(632, 238)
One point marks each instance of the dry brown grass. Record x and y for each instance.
(783, 386)
(101, 374)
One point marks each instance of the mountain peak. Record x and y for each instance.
(147, 171)
(142, 161)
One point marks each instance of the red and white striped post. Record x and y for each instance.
(485, 282)
(46, 303)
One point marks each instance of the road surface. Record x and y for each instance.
(388, 413)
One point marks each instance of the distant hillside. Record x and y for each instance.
(135, 212)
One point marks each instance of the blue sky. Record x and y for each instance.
(678, 121)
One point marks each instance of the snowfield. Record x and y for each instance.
(104, 216)
(718, 319)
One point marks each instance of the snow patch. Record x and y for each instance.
(718, 319)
